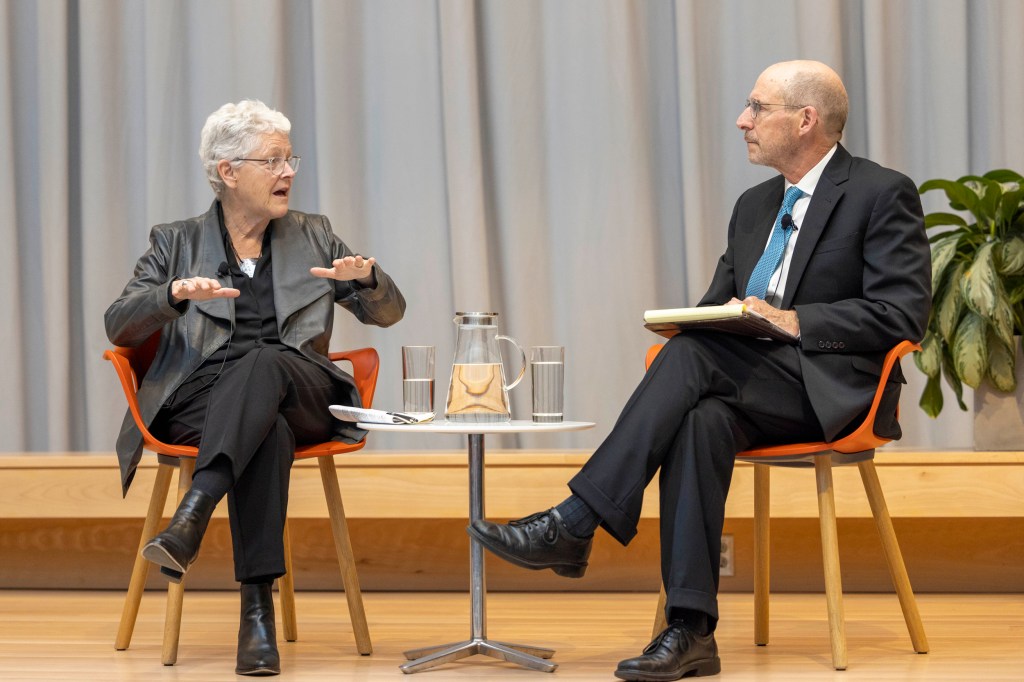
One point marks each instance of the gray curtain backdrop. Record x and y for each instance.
(567, 163)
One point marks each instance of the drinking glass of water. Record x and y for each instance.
(547, 369)
(418, 379)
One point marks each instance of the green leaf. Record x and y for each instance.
(1001, 365)
(989, 204)
(1011, 256)
(961, 197)
(943, 251)
(1004, 175)
(949, 374)
(1016, 293)
(948, 303)
(979, 285)
(1002, 320)
(943, 234)
(929, 360)
(975, 183)
(970, 346)
(939, 218)
(1011, 203)
(931, 397)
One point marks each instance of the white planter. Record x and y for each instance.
(999, 417)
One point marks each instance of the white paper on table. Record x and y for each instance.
(347, 413)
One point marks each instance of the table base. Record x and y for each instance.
(527, 656)
(522, 654)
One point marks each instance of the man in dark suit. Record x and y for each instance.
(832, 250)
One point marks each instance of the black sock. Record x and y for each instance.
(694, 620)
(216, 478)
(581, 520)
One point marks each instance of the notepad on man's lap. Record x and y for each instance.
(734, 319)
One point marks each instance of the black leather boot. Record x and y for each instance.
(175, 549)
(257, 634)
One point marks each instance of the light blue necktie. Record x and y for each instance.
(765, 268)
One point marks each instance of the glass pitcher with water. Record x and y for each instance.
(477, 393)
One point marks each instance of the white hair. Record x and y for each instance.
(234, 131)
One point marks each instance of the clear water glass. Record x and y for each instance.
(547, 370)
(418, 379)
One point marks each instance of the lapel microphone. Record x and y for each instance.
(787, 222)
(222, 269)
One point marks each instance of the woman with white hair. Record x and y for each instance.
(243, 299)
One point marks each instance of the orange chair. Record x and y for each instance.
(131, 365)
(856, 448)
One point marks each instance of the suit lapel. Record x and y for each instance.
(211, 255)
(826, 196)
(293, 255)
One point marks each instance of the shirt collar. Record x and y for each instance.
(810, 179)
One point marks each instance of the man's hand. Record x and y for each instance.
(786, 319)
(349, 268)
(200, 289)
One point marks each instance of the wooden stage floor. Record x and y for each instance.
(68, 635)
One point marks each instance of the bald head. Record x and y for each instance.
(805, 82)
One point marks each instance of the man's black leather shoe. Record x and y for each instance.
(536, 542)
(257, 634)
(175, 549)
(677, 652)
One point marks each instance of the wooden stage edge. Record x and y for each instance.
(959, 516)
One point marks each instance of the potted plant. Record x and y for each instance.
(977, 311)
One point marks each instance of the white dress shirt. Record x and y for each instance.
(777, 282)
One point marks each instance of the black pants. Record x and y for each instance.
(253, 413)
(706, 397)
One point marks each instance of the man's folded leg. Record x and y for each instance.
(609, 489)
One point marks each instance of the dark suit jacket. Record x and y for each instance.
(304, 305)
(859, 279)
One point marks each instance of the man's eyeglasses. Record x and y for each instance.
(756, 107)
(275, 164)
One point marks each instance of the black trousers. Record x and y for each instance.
(706, 397)
(253, 413)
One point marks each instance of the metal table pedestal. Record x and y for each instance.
(522, 654)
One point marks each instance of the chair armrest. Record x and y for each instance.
(365, 367)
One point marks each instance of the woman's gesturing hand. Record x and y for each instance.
(348, 268)
(200, 289)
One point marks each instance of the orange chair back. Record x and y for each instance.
(861, 439)
(131, 365)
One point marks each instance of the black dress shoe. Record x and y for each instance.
(257, 634)
(536, 542)
(175, 549)
(675, 653)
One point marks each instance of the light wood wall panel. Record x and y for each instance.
(959, 517)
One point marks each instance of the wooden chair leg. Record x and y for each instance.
(830, 558)
(140, 570)
(286, 588)
(762, 555)
(660, 619)
(346, 560)
(176, 591)
(893, 556)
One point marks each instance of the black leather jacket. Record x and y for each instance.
(304, 303)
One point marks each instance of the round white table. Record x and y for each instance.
(521, 654)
